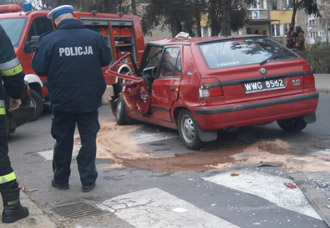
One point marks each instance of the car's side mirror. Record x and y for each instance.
(32, 45)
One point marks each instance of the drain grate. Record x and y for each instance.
(78, 210)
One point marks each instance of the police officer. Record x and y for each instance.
(71, 57)
(12, 77)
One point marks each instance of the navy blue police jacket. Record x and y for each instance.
(71, 57)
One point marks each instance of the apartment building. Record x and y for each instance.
(318, 27)
(268, 17)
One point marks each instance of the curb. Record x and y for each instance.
(324, 91)
(36, 219)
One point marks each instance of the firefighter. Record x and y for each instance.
(71, 57)
(12, 80)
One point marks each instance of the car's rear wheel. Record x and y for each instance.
(121, 114)
(187, 127)
(37, 103)
(293, 124)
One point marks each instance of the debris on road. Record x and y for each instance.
(270, 164)
(290, 185)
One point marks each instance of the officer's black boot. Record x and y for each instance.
(12, 208)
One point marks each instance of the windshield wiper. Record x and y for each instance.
(273, 58)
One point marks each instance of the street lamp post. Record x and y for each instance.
(270, 23)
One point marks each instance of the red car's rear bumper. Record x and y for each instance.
(213, 118)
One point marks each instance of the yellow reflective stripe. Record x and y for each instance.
(13, 71)
(6, 178)
(2, 111)
(2, 107)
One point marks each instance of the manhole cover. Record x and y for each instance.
(323, 143)
(78, 210)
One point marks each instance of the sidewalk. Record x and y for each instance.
(36, 219)
(322, 83)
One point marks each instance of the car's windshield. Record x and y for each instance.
(14, 28)
(243, 51)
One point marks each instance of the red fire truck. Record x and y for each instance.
(24, 26)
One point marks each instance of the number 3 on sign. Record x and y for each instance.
(255, 14)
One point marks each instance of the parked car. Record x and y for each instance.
(25, 113)
(201, 85)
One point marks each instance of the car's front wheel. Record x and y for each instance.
(121, 114)
(188, 132)
(292, 125)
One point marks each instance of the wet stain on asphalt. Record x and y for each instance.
(114, 143)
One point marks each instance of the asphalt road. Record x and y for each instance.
(237, 181)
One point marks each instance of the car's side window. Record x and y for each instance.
(171, 63)
(153, 57)
(39, 26)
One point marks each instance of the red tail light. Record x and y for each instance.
(308, 79)
(307, 68)
(210, 87)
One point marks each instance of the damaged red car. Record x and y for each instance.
(200, 85)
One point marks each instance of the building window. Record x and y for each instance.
(313, 34)
(287, 4)
(205, 32)
(274, 5)
(286, 28)
(258, 4)
(276, 30)
(312, 22)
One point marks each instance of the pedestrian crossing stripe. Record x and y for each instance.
(266, 186)
(158, 209)
(48, 154)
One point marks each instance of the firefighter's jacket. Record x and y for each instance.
(71, 57)
(11, 72)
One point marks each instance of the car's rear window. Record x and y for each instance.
(243, 51)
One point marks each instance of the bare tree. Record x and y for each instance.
(227, 15)
(133, 4)
(309, 6)
(324, 8)
(226, 18)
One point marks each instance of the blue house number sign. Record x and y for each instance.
(255, 14)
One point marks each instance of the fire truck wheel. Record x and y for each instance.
(9, 128)
(36, 101)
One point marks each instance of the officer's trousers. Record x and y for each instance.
(63, 128)
(5, 165)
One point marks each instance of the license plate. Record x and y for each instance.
(263, 85)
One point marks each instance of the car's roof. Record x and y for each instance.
(196, 40)
(22, 13)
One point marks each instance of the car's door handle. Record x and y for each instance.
(172, 89)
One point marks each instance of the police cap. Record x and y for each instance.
(59, 10)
